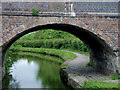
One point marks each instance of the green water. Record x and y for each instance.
(33, 72)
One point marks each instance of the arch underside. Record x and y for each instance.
(102, 57)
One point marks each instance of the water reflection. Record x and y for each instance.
(31, 72)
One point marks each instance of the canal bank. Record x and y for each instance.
(74, 71)
(30, 59)
(77, 74)
(32, 72)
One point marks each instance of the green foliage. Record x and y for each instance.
(55, 39)
(88, 64)
(47, 34)
(9, 59)
(8, 63)
(115, 76)
(35, 12)
(98, 84)
(74, 44)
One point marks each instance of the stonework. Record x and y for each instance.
(106, 29)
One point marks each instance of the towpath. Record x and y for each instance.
(79, 72)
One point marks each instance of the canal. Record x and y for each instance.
(33, 72)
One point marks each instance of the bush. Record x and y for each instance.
(35, 12)
(47, 34)
(74, 44)
(115, 76)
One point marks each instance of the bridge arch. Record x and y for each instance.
(102, 57)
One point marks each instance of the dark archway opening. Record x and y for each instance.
(102, 57)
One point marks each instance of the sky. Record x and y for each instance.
(60, 0)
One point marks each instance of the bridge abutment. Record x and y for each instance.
(104, 62)
(118, 60)
(2, 66)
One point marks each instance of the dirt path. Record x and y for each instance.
(79, 72)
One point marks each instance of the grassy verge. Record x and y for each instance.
(81, 52)
(53, 52)
(35, 52)
(115, 76)
(73, 44)
(99, 84)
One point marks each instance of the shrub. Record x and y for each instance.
(115, 76)
(73, 44)
(35, 12)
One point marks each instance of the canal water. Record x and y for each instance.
(32, 72)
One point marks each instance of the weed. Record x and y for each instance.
(115, 76)
(88, 64)
(35, 12)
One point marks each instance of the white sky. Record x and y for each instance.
(60, 0)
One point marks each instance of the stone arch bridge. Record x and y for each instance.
(100, 35)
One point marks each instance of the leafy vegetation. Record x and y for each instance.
(46, 42)
(9, 60)
(52, 39)
(98, 84)
(74, 44)
(35, 12)
(47, 34)
(115, 76)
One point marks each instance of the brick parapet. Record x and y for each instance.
(109, 7)
(106, 29)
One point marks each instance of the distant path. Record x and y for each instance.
(78, 71)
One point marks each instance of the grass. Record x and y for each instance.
(81, 52)
(63, 66)
(115, 76)
(53, 52)
(98, 84)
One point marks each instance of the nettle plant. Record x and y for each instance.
(35, 12)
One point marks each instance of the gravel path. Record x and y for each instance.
(79, 72)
